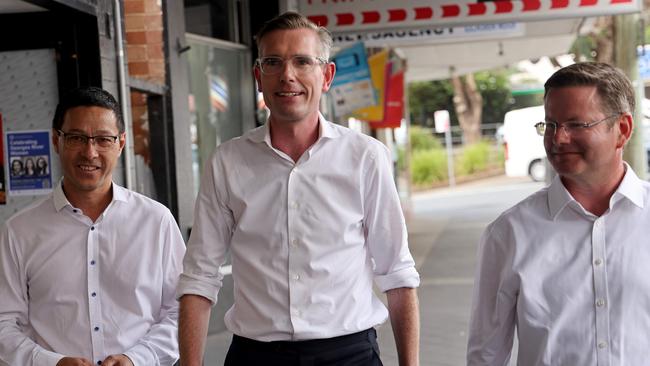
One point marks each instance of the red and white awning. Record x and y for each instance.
(340, 16)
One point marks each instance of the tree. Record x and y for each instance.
(495, 90)
(426, 97)
(469, 105)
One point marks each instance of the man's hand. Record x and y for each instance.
(117, 360)
(74, 361)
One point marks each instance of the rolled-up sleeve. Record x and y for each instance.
(210, 238)
(384, 224)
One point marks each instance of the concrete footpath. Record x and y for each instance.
(444, 229)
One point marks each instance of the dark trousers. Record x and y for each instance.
(358, 349)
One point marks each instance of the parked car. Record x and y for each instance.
(524, 148)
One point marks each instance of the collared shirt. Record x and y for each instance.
(306, 238)
(576, 285)
(73, 287)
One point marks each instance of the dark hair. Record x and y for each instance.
(291, 20)
(614, 88)
(88, 96)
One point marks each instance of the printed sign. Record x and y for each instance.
(394, 106)
(28, 155)
(379, 73)
(352, 87)
(406, 37)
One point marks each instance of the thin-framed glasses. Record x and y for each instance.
(546, 128)
(76, 141)
(301, 63)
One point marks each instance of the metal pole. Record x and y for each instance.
(450, 157)
(124, 101)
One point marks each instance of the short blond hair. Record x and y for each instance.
(291, 20)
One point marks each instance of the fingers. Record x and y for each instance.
(74, 361)
(117, 360)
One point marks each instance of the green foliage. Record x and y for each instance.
(495, 90)
(428, 166)
(474, 158)
(527, 100)
(426, 97)
(422, 139)
(584, 47)
(401, 159)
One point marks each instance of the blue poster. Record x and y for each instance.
(352, 86)
(28, 156)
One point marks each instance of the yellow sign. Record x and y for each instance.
(377, 64)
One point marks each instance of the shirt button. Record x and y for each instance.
(602, 345)
(96, 329)
(294, 204)
(294, 242)
(93, 294)
(92, 228)
(92, 262)
(75, 210)
(99, 362)
(296, 277)
(598, 262)
(600, 302)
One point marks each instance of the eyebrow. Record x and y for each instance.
(98, 133)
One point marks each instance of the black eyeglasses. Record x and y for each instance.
(78, 141)
(547, 128)
(300, 63)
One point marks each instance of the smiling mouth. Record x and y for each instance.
(288, 94)
(88, 168)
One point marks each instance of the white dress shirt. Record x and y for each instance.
(576, 285)
(306, 238)
(71, 287)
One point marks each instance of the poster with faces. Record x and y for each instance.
(28, 159)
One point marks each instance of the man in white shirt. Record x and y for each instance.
(310, 215)
(88, 274)
(567, 266)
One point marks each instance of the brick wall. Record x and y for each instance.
(143, 23)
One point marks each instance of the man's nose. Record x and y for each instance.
(288, 71)
(89, 149)
(561, 135)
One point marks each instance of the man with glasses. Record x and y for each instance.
(88, 274)
(567, 266)
(310, 215)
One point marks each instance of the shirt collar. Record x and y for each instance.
(630, 187)
(60, 200)
(263, 133)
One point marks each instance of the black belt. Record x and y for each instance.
(308, 345)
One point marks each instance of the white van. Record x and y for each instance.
(524, 148)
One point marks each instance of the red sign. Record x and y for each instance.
(394, 103)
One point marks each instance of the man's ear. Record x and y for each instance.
(625, 127)
(122, 140)
(330, 71)
(55, 140)
(258, 77)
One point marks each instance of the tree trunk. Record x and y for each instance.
(469, 104)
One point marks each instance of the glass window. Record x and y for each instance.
(221, 96)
